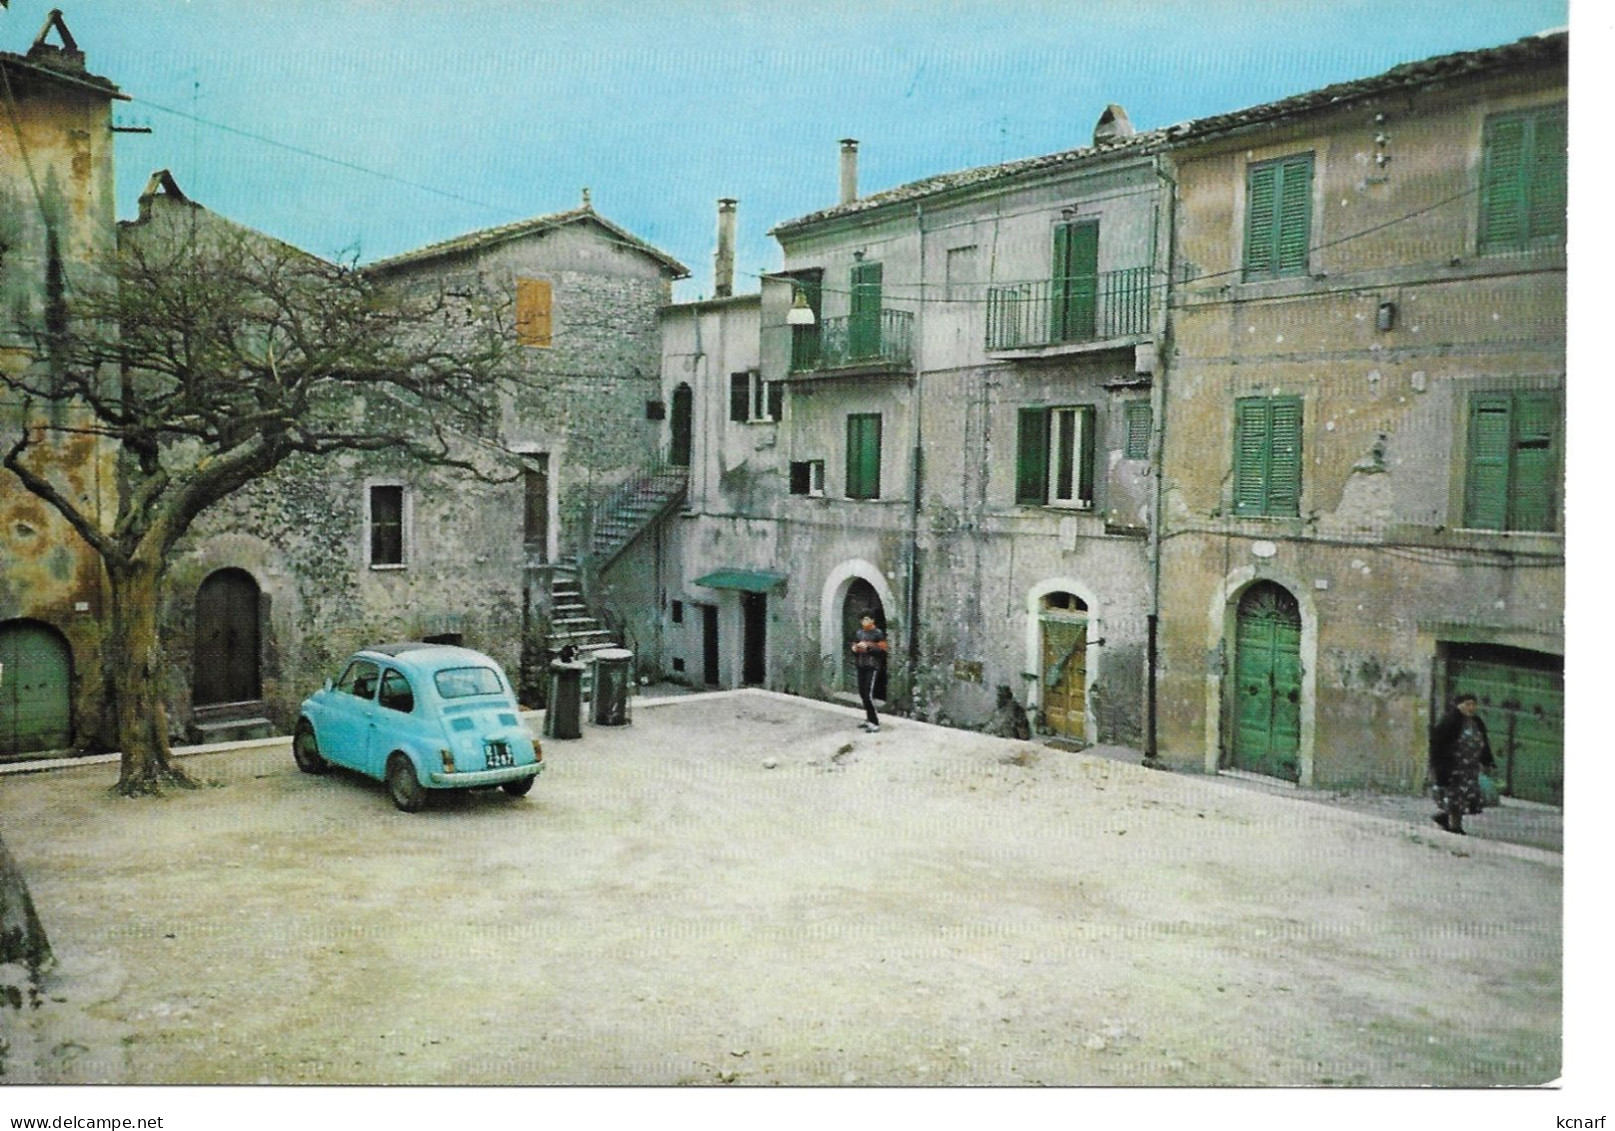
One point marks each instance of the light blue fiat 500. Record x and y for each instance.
(419, 717)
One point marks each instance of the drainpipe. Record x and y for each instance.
(1158, 403)
(916, 479)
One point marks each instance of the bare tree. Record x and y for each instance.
(205, 357)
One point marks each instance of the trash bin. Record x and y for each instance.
(613, 680)
(562, 718)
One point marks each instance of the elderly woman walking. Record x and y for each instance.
(1459, 748)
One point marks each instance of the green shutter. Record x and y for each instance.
(1490, 429)
(1085, 454)
(1251, 434)
(1295, 215)
(1545, 215)
(1261, 217)
(1076, 281)
(863, 327)
(776, 400)
(1032, 456)
(1138, 430)
(1502, 223)
(863, 456)
(1533, 489)
(1284, 457)
(1278, 217)
(1267, 456)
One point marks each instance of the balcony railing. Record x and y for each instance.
(883, 337)
(1082, 308)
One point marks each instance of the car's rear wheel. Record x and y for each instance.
(306, 749)
(403, 786)
(519, 787)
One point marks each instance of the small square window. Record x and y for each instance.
(807, 477)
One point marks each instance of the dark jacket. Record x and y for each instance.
(1444, 743)
(874, 657)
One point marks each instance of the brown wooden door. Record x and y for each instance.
(1065, 667)
(227, 640)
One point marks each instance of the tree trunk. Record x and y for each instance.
(22, 936)
(135, 679)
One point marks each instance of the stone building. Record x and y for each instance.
(56, 233)
(1364, 424)
(292, 573)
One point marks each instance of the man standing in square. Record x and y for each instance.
(869, 655)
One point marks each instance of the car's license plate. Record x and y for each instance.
(499, 755)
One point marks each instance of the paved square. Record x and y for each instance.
(744, 888)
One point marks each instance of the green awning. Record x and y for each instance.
(746, 580)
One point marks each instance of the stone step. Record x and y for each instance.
(233, 730)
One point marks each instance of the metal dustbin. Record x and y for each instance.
(613, 681)
(563, 716)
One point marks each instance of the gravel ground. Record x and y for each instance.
(743, 888)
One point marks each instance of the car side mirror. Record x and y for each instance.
(328, 685)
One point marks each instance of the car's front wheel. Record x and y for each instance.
(519, 787)
(306, 749)
(403, 786)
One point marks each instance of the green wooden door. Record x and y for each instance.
(35, 689)
(1522, 701)
(1267, 683)
(863, 327)
(1076, 281)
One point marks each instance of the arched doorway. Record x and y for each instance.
(1063, 664)
(681, 425)
(1267, 682)
(861, 598)
(36, 688)
(227, 640)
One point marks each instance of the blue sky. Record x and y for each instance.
(435, 117)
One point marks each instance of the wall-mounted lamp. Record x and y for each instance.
(1385, 316)
(800, 314)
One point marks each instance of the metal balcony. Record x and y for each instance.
(1082, 308)
(882, 339)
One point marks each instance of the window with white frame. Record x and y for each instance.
(753, 400)
(1055, 456)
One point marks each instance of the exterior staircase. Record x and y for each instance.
(633, 508)
(573, 624)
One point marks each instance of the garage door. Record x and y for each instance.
(1522, 700)
(35, 688)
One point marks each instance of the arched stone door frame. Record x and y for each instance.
(834, 653)
(1034, 645)
(1219, 689)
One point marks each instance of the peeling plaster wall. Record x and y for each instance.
(1378, 551)
(65, 188)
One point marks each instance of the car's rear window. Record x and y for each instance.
(457, 683)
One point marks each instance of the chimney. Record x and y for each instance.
(849, 170)
(1113, 124)
(723, 264)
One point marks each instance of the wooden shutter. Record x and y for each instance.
(1261, 217)
(1545, 215)
(776, 400)
(533, 315)
(1284, 457)
(1486, 482)
(1295, 215)
(863, 327)
(1076, 280)
(1533, 490)
(1251, 434)
(1267, 456)
(863, 456)
(1502, 206)
(740, 396)
(1032, 456)
(1138, 430)
(1278, 217)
